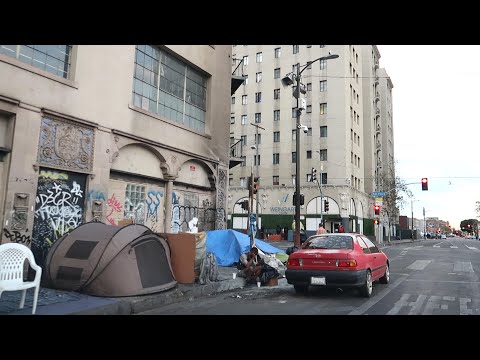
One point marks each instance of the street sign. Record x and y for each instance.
(379, 201)
(378, 194)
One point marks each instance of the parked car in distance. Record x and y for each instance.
(338, 260)
(443, 237)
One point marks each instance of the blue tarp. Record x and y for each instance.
(228, 245)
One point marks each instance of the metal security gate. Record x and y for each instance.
(185, 213)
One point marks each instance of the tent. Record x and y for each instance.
(105, 260)
(228, 245)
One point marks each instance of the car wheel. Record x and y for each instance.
(385, 279)
(300, 289)
(366, 289)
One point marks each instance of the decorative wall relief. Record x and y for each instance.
(66, 145)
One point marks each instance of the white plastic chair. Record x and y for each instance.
(12, 263)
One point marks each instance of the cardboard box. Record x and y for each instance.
(272, 282)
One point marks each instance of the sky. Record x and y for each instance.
(436, 102)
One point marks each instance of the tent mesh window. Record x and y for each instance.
(81, 249)
(152, 272)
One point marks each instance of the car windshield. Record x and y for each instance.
(329, 242)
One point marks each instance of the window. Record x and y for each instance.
(278, 52)
(309, 154)
(276, 94)
(371, 246)
(55, 59)
(309, 46)
(309, 108)
(256, 160)
(358, 164)
(358, 141)
(244, 99)
(276, 180)
(258, 138)
(294, 68)
(258, 77)
(276, 158)
(276, 73)
(244, 119)
(357, 98)
(324, 178)
(323, 64)
(258, 118)
(134, 196)
(357, 79)
(351, 157)
(242, 182)
(323, 85)
(245, 82)
(294, 179)
(309, 131)
(296, 49)
(294, 112)
(258, 97)
(230, 182)
(363, 245)
(276, 115)
(233, 100)
(323, 131)
(356, 58)
(323, 108)
(294, 157)
(243, 139)
(244, 161)
(294, 135)
(309, 87)
(259, 57)
(276, 136)
(322, 46)
(323, 155)
(358, 119)
(245, 60)
(165, 85)
(232, 119)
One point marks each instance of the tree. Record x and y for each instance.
(470, 226)
(396, 189)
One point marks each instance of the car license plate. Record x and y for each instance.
(317, 280)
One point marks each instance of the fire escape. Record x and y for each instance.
(236, 146)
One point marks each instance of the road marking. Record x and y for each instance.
(399, 304)
(417, 305)
(419, 264)
(449, 298)
(444, 307)
(432, 304)
(471, 247)
(463, 306)
(367, 305)
(453, 247)
(440, 243)
(436, 246)
(446, 281)
(463, 266)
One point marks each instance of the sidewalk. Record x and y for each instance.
(57, 302)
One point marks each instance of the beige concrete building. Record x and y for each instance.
(339, 142)
(112, 133)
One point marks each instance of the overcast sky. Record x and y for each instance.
(435, 110)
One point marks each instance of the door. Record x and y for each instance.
(59, 208)
(378, 265)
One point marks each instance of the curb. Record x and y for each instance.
(182, 292)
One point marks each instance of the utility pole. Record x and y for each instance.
(252, 235)
(256, 170)
(297, 163)
(424, 225)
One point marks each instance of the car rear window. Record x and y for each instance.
(329, 242)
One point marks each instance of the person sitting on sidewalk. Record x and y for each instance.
(250, 265)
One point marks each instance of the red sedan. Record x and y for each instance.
(338, 260)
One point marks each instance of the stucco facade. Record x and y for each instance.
(340, 114)
(94, 145)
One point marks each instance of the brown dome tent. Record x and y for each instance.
(105, 260)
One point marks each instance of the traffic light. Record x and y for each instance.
(244, 205)
(376, 221)
(326, 205)
(302, 199)
(314, 175)
(256, 184)
(424, 184)
(377, 209)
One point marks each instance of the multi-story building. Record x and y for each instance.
(112, 133)
(346, 126)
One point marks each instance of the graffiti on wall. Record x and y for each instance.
(59, 208)
(175, 226)
(65, 145)
(95, 195)
(220, 218)
(17, 237)
(152, 201)
(113, 206)
(135, 212)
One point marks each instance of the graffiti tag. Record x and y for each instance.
(17, 237)
(152, 203)
(114, 206)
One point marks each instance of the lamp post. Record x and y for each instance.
(411, 203)
(289, 81)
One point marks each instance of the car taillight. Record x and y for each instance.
(293, 262)
(346, 263)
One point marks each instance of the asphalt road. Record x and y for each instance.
(429, 277)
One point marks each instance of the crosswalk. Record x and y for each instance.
(421, 304)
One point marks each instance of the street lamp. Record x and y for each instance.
(289, 80)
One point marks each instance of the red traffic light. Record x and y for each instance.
(377, 209)
(424, 184)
